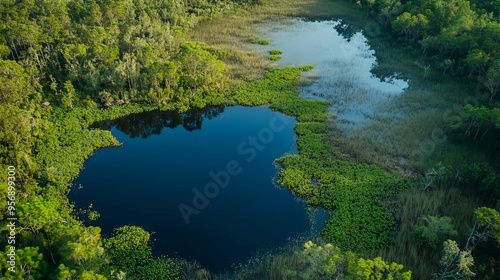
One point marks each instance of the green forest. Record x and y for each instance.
(65, 65)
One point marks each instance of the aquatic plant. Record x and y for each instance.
(275, 52)
(307, 67)
(274, 57)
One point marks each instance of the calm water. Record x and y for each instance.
(342, 62)
(167, 158)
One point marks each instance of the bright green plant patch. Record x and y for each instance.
(274, 57)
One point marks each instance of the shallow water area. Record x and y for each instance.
(342, 64)
(202, 181)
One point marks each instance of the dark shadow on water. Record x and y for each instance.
(146, 124)
(346, 30)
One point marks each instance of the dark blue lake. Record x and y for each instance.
(202, 181)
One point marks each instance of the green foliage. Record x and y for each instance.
(458, 35)
(81, 247)
(412, 26)
(16, 88)
(481, 178)
(434, 231)
(275, 52)
(129, 252)
(329, 262)
(379, 269)
(455, 264)
(307, 67)
(297, 181)
(29, 264)
(201, 72)
(159, 269)
(112, 47)
(38, 215)
(355, 191)
(277, 85)
(314, 146)
(19, 117)
(274, 57)
(63, 272)
(303, 128)
(127, 238)
(256, 40)
(489, 221)
(479, 125)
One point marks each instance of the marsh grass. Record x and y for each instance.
(413, 204)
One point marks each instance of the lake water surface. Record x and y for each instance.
(342, 62)
(167, 158)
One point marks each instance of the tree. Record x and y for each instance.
(486, 225)
(443, 13)
(16, 89)
(164, 81)
(64, 273)
(388, 9)
(410, 25)
(29, 264)
(201, 71)
(455, 264)
(492, 80)
(482, 178)
(329, 262)
(434, 231)
(81, 247)
(69, 95)
(478, 121)
(17, 127)
(19, 116)
(39, 215)
(477, 60)
(378, 269)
